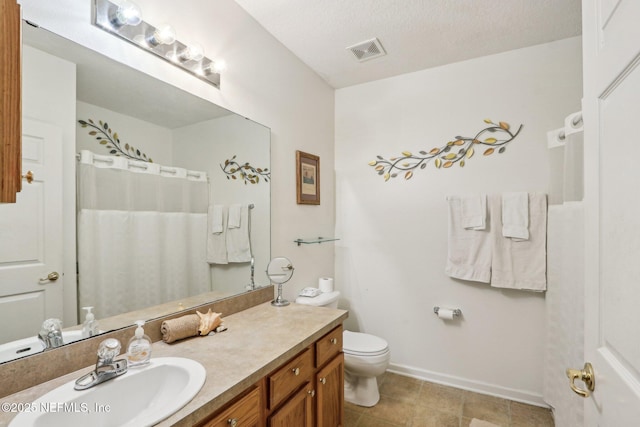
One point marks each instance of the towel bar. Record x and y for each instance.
(456, 312)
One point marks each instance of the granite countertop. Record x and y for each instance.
(257, 341)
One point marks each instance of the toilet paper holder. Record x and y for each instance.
(456, 311)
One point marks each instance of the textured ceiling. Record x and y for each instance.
(416, 34)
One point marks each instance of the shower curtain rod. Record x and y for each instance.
(131, 164)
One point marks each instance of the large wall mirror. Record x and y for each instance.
(170, 238)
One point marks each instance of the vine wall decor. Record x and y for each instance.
(246, 172)
(457, 151)
(111, 141)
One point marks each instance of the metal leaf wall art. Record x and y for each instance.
(244, 172)
(494, 137)
(111, 141)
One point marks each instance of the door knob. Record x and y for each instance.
(28, 176)
(51, 277)
(586, 375)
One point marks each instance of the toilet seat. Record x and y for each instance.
(360, 344)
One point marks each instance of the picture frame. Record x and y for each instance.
(307, 178)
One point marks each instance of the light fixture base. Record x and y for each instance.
(203, 69)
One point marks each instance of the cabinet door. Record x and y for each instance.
(297, 411)
(330, 394)
(10, 101)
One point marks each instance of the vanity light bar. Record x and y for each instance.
(148, 38)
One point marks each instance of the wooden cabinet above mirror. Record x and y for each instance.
(10, 110)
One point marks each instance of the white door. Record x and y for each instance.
(611, 108)
(31, 238)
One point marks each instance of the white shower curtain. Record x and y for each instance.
(565, 272)
(141, 233)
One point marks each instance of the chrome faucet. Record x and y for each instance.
(106, 367)
(51, 333)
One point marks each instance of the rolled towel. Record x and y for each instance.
(180, 328)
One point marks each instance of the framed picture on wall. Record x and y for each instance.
(307, 178)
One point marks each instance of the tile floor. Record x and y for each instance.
(411, 402)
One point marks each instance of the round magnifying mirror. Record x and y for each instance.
(280, 271)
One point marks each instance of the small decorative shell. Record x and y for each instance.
(208, 321)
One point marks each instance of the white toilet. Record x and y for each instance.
(366, 356)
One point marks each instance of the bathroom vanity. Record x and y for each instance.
(276, 366)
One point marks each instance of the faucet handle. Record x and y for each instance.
(50, 325)
(109, 349)
(51, 333)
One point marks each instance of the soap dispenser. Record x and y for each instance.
(139, 348)
(90, 325)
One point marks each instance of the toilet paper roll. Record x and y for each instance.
(445, 313)
(325, 284)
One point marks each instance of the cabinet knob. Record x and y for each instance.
(233, 422)
(312, 393)
(334, 341)
(323, 380)
(296, 371)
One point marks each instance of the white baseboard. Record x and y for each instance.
(466, 384)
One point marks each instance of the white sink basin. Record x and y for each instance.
(141, 397)
(32, 345)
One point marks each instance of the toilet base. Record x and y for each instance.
(361, 391)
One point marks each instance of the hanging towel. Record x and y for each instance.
(235, 220)
(469, 253)
(238, 241)
(515, 215)
(217, 242)
(215, 219)
(520, 264)
(474, 211)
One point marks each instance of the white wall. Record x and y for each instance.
(264, 82)
(391, 256)
(153, 140)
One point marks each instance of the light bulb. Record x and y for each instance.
(164, 34)
(219, 66)
(128, 13)
(212, 67)
(193, 52)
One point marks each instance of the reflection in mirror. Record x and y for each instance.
(280, 271)
(133, 124)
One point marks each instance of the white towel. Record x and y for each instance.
(238, 241)
(520, 264)
(474, 211)
(469, 253)
(217, 242)
(515, 215)
(235, 220)
(215, 219)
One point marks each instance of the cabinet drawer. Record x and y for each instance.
(328, 346)
(244, 413)
(289, 377)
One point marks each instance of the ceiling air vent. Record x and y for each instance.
(367, 50)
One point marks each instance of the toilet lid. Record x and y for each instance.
(358, 343)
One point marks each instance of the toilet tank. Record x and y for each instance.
(327, 299)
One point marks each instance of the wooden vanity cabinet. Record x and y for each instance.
(10, 100)
(306, 391)
(319, 400)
